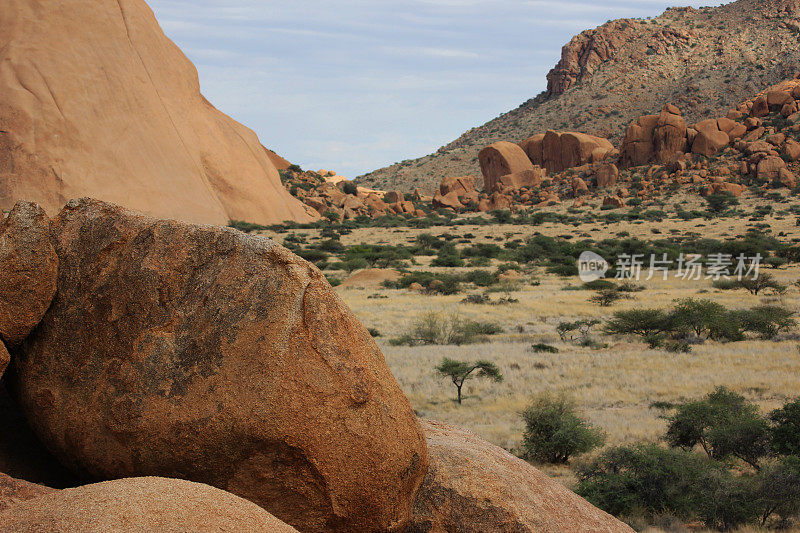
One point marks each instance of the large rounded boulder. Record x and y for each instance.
(28, 269)
(143, 504)
(475, 487)
(203, 353)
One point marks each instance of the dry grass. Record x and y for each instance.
(614, 386)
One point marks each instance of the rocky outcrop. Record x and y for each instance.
(455, 192)
(501, 159)
(140, 504)
(475, 487)
(710, 139)
(669, 135)
(28, 270)
(558, 151)
(585, 53)
(96, 101)
(655, 138)
(14, 491)
(207, 354)
(638, 145)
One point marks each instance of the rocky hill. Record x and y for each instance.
(705, 61)
(96, 101)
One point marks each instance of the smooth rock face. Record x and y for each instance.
(137, 505)
(14, 491)
(203, 353)
(475, 487)
(96, 101)
(557, 151)
(28, 271)
(501, 159)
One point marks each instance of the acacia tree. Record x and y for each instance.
(460, 371)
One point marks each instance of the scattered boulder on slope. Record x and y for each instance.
(475, 487)
(140, 504)
(500, 159)
(207, 354)
(96, 101)
(28, 270)
(370, 278)
(14, 491)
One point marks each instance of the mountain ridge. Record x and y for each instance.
(610, 75)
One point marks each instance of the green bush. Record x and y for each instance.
(554, 432)
(766, 320)
(696, 316)
(434, 328)
(645, 479)
(642, 322)
(543, 348)
(785, 428)
(724, 424)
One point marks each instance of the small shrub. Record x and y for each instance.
(543, 348)
(554, 432)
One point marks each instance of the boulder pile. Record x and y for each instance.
(557, 151)
(170, 350)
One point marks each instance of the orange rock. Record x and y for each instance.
(556, 151)
(140, 504)
(607, 176)
(724, 187)
(777, 98)
(710, 140)
(760, 107)
(638, 145)
(500, 159)
(473, 486)
(461, 185)
(579, 187)
(14, 491)
(5, 358)
(787, 178)
(669, 135)
(224, 345)
(613, 201)
(791, 150)
(735, 130)
(769, 168)
(393, 197)
(28, 271)
(526, 178)
(450, 200)
(96, 101)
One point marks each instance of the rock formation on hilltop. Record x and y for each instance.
(705, 61)
(96, 101)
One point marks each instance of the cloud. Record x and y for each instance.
(354, 85)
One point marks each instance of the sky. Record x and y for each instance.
(356, 85)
